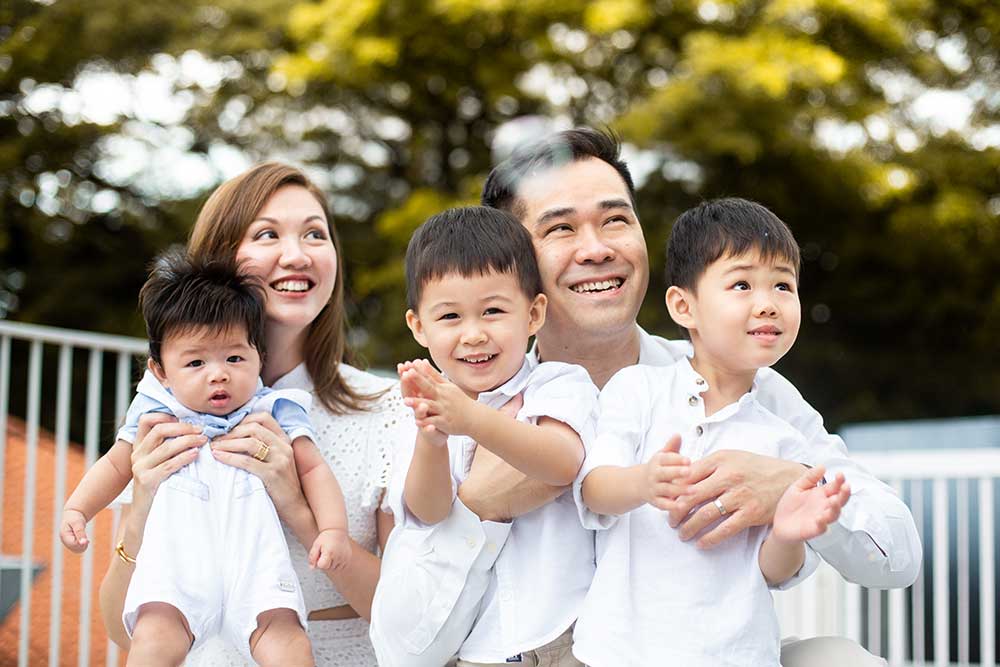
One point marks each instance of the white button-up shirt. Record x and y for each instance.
(656, 599)
(874, 543)
(540, 574)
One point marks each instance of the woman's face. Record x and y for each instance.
(288, 246)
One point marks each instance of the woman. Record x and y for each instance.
(273, 219)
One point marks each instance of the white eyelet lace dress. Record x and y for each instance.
(358, 448)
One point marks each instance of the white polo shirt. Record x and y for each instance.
(540, 577)
(656, 599)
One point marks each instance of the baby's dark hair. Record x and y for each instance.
(469, 241)
(183, 294)
(725, 227)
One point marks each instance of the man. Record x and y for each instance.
(575, 196)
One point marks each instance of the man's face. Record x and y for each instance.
(591, 252)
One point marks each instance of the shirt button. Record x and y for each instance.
(491, 547)
(470, 542)
(699, 430)
(693, 401)
(506, 596)
(699, 381)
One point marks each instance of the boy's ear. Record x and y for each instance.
(536, 314)
(157, 370)
(416, 328)
(680, 305)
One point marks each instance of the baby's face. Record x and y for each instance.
(476, 328)
(208, 371)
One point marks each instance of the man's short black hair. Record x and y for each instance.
(721, 228)
(562, 148)
(470, 241)
(183, 294)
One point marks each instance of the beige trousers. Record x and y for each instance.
(827, 652)
(557, 653)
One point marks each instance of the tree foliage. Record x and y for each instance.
(822, 109)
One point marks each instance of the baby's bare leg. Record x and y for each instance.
(279, 640)
(161, 637)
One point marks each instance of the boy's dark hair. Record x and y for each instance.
(723, 227)
(183, 294)
(500, 190)
(470, 240)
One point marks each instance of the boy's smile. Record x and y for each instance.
(476, 328)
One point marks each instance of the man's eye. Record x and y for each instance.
(618, 218)
(195, 363)
(558, 228)
(741, 286)
(234, 359)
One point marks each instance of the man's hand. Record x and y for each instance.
(665, 473)
(748, 486)
(806, 509)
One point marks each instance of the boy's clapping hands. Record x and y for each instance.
(664, 475)
(438, 405)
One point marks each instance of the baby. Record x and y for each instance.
(213, 557)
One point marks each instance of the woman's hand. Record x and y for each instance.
(162, 446)
(277, 470)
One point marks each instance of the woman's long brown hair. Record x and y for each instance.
(217, 234)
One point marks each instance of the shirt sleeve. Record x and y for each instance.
(139, 406)
(563, 392)
(621, 427)
(293, 419)
(874, 543)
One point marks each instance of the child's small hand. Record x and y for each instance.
(73, 531)
(407, 384)
(664, 474)
(806, 509)
(330, 550)
(437, 404)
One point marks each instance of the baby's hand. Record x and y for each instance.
(805, 509)
(330, 550)
(73, 531)
(664, 473)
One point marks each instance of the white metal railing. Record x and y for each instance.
(95, 346)
(939, 487)
(888, 623)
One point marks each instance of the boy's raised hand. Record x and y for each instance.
(437, 404)
(73, 531)
(664, 473)
(806, 508)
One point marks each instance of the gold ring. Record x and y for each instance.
(262, 451)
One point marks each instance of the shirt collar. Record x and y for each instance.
(693, 384)
(497, 398)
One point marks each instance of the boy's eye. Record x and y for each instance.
(492, 311)
(741, 286)
(449, 316)
(234, 359)
(195, 363)
(784, 287)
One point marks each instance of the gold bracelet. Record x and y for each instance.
(120, 550)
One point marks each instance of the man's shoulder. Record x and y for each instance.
(659, 351)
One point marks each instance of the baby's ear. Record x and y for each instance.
(416, 328)
(680, 305)
(157, 370)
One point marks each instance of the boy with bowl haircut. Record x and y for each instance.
(655, 599)
(214, 557)
(475, 300)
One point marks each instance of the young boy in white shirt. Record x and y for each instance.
(733, 270)
(475, 300)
